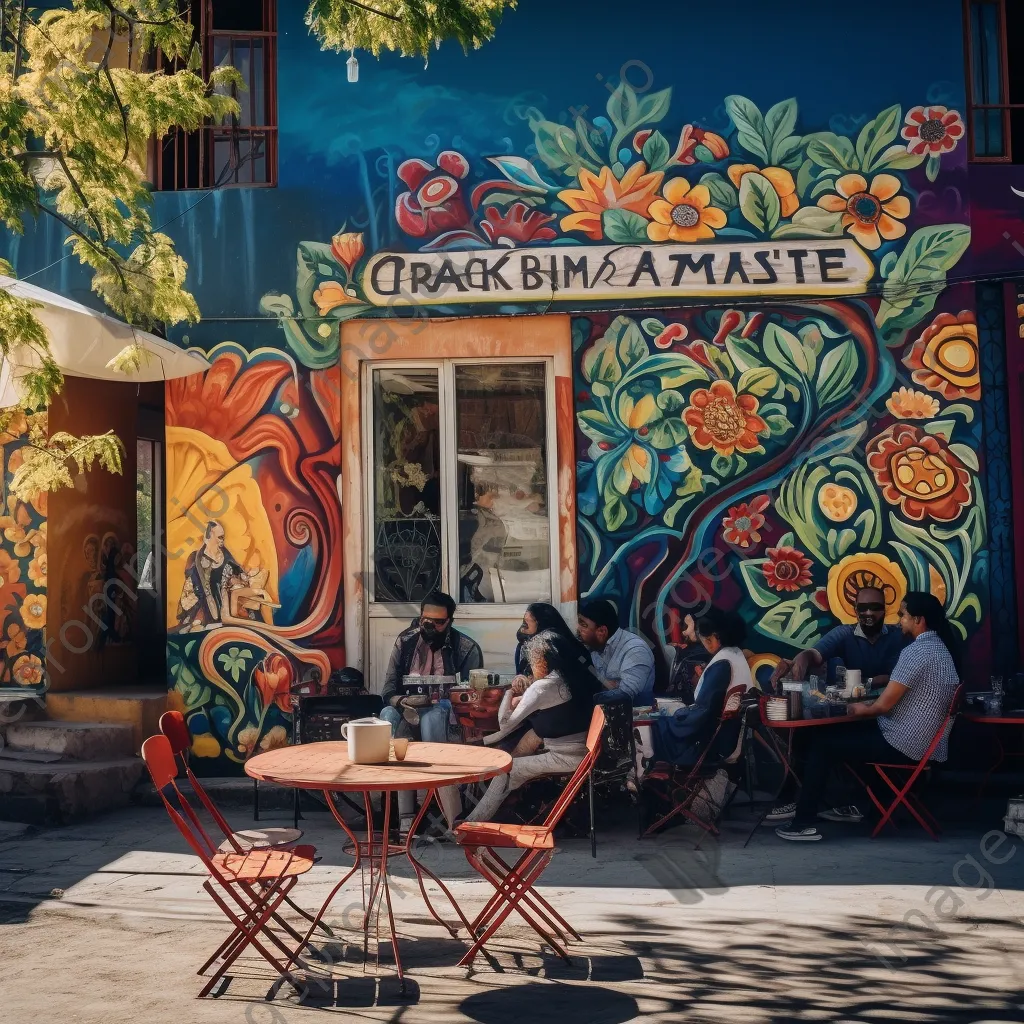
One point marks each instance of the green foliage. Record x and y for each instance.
(48, 462)
(409, 27)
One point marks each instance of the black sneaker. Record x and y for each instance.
(798, 834)
(848, 814)
(784, 812)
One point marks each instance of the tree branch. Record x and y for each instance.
(373, 10)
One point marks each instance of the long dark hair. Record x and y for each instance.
(561, 657)
(927, 606)
(726, 625)
(550, 618)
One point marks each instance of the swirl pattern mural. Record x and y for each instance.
(253, 520)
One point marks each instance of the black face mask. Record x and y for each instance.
(432, 635)
(522, 636)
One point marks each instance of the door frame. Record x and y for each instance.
(509, 339)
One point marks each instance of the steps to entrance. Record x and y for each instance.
(78, 741)
(66, 790)
(139, 708)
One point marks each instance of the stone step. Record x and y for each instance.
(67, 790)
(80, 741)
(140, 708)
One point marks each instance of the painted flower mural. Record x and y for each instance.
(872, 213)
(719, 418)
(683, 214)
(742, 525)
(604, 193)
(865, 569)
(945, 357)
(785, 568)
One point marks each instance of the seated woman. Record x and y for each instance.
(557, 706)
(681, 738)
(537, 618)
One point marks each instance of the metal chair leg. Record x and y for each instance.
(255, 799)
(593, 832)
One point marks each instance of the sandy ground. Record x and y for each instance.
(107, 923)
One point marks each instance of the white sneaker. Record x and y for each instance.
(849, 813)
(798, 835)
(784, 812)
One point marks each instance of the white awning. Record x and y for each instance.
(83, 342)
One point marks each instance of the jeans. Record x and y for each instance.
(433, 728)
(856, 743)
(524, 769)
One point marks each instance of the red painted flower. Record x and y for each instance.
(741, 525)
(732, 320)
(932, 130)
(517, 225)
(434, 203)
(669, 335)
(273, 678)
(787, 569)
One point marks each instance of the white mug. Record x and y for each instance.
(852, 680)
(369, 740)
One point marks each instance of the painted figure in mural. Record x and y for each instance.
(557, 708)
(624, 662)
(871, 646)
(681, 738)
(431, 646)
(217, 589)
(898, 727)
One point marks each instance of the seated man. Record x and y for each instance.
(871, 646)
(898, 727)
(623, 661)
(433, 647)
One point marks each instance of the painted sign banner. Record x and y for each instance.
(819, 267)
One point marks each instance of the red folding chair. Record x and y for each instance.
(174, 727)
(679, 787)
(902, 794)
(249, 886)
(514, 884)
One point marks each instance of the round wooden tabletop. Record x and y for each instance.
(426, 766)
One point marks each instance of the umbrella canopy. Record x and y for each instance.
(83, 342)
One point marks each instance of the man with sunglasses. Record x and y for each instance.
(870, 646)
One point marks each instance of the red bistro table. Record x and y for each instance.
(428, 766)
(1011, 718)
(785, 757)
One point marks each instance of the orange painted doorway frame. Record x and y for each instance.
(503, 337)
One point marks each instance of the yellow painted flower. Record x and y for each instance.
(348, 248)
(15, 526)
(936, 584)
(866, 569)
(205, 745)
(782, 181)
(28, 671)
(600, 192)
(946, 358)
(246, 739)
(33, 611)
(16, 639)
(330, 295)
(275, 737)
(908, 404)
(869, 214)
(684, 214)
(37, 569)
(837, 502)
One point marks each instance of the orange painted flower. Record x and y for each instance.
(348, 248)
(273, 678)
(919, 473)
(600, 192)
(742, 525)
(869, 214)
(945, 358)
(37, 569)
(782, 181)
(14, 423)
(15, 526)
(908, 404)
(787, 569)
(10, 568)
(837, 502)
(719, 418)
(16, 640)
(277, 736)
(330, 295)
(28, 671)
(685, 213)
(865, 569)
(33, 611)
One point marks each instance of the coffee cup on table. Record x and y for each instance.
(401, 747)
(852, 681)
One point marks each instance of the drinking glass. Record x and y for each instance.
(997, 685)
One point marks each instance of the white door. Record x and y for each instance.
(461, 497)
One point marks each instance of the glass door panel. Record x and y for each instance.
(406, 438)
(503, 536)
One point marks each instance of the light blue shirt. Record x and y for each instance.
(626, 658)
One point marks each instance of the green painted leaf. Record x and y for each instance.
(501, 198)
(788, 153)
(693, 483)
(627, 112)
(652, 326)
(794, 622)
(671, 432)
(624, 226)
(830, 150)
(743, 352)
(877, 135)
(805, 177)
(968, 456)
(758, 380)
(519, 170)
(787, 353)
(670, 401)
(931, 171)
(722, 465)
(749, 125)
(597, 426)
(631, 345)
(558, 146)
(601, 363)
(616, 512)
(916, 279)
(723, 192)
(888, 262)
(896, 158)
(657, 152)
(778, 423)
(759, 202)
(752, 571)
(941, 428)
(673, 368)
(836, 373)
(780, 120)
